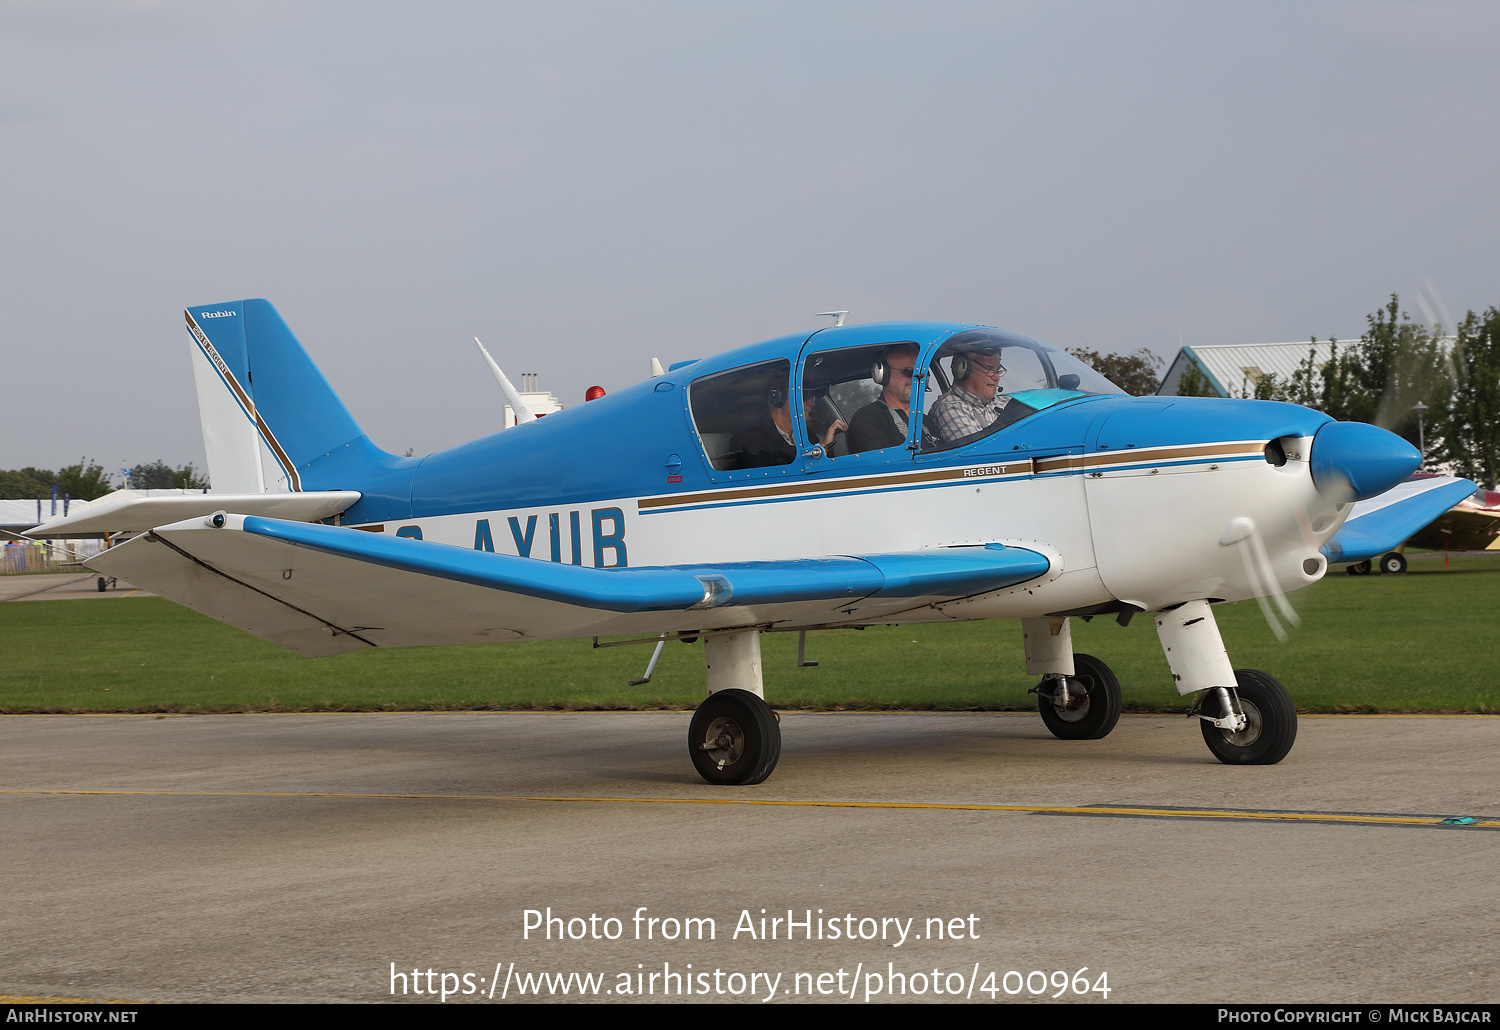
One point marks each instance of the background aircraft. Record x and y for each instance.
(1473, 524)
(722, 501)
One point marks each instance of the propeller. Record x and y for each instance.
(1243, 534)
(1351, 461)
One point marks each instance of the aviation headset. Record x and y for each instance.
(881, 371)
(776, 396)
(963, 362)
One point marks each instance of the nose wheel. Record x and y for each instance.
(734, 738)
(1090, 706)
(1270, 727)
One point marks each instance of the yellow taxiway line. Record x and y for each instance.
(689, 711)
(1084, 810)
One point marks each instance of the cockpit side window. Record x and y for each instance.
(867, 389)
(743, 416)
(984, 380)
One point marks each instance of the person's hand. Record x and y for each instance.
(839, 426)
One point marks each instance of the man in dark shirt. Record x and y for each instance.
(765, 438)
(883, 422)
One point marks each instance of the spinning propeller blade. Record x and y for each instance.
(1243, 534)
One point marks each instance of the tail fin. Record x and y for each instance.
(267, 411)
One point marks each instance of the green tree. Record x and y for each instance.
(1305, 386)
(1193, 383)
(158, 475)
(1401, 362)
(86, 480)
(1470, 429)
(1340, 389)
(1265, 388)
(26, 483)
(1134, 373)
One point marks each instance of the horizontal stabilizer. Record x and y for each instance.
(322, 589)
(1385, 522)
(132, 512)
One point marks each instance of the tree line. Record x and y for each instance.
(87, 480)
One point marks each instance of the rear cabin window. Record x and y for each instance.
(743, 417)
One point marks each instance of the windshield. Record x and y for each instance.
(983, 380)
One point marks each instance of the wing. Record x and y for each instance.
(1383, 523)
(321, 590)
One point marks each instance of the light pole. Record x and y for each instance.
(1421, 409)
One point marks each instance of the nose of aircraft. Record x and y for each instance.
(1362, 459)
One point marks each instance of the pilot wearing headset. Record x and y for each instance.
(972, 406)
(883, 422)
(765, 437)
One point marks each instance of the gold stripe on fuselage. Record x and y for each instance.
(1016, 468)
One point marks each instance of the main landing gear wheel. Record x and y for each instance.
(1359, 568)
(1093, 705)
(1392, 564)
(734, 738)
(1270, 722)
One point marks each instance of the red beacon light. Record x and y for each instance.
(593, 394)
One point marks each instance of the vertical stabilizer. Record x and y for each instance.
(267, 411)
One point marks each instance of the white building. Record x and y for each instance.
(1233, 369)
(540, 402)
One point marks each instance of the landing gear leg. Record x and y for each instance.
(734, 737)
(1079, 697)
(1248, 717)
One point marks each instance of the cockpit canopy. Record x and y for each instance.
(857, 398)
(1010, 374)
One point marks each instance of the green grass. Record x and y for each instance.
(1423, 642)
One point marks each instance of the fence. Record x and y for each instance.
(21, 559)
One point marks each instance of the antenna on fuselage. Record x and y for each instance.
(522, 412)
(837, 316)
(656, 369)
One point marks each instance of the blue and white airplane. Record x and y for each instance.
(833, 478)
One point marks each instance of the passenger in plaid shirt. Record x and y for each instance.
(972, 405)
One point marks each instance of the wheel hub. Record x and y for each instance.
(1076, 707)
(724, 740)
(1253, 723)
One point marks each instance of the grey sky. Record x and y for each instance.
(586, 185)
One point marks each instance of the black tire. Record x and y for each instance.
(101, 584)
(1271, 722)
(1359, 568)
(1392, 564)
(734, 738)
(1094, 708)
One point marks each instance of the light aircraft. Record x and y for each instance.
(1473, 524)
(722, 500)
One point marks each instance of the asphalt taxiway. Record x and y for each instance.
(298, 857)
(60, 586)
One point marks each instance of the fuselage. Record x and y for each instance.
(1134, 501)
